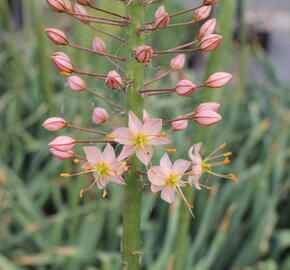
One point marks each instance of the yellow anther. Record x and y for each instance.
(171, 150)
(161, 134)
(82, 192)
(115, 172)
(76, 161)
(123, 165)
(65, 73)
(105, 194)
(65, 175)
(223, 145)
(111, 137)
(234, 177)
(152, 170)
(227, 154)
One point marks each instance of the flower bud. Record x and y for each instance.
(76, 83)
(177, 63)
(62, 62)
(210, 42)
(62, 155)
(54, 123)
(218, 79)
(144, 54)
(99, 45)
(146, 116)
(84, 2)
(185, 88)
(207, 28)
(63, 143)
(161, 18)
(180, 125)
(100, 116)
(202, 13)
(57, 36)
(113, 80)
(210, 2)
(207, 118)
(78, 9)
(208, 106)
(60, 5)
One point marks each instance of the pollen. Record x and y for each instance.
(65, 175)
(105, 194)
(227, 154)
(226, 161)
(234, 177)
(171, 150)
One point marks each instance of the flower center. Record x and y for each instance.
(172, 180)
(102, 169)
(140, 141)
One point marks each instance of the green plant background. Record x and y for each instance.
(44, 223)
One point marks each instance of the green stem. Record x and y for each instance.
(131, 244)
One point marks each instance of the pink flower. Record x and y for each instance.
(113, 80)
(99, 45)
(210, 2)
(210, 42)
(57, 36)
(78, 9)
(161, 18)
(84, 2)
(218, 79)
(63, 143)
(167, 177)
(76, 83)
(196, 159)
(62, 155)
(208, 106)
(207, 118)
(54, 123)
(185, 88)
(177, 63)
(146, 116)
(143, 54)
(62, 62)
(104, 166)
(207, 28)
(180, 125)
(60, 5)
(202, 13)
(100, 116)
(139, 138)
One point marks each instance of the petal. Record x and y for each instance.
(102, 182)
(126, 152)
(167, 194)
(135, 125)
(145, 155)
(152, 126)
(109, 153)
(154, 140)
(195, 148)
(194, 180)
(155, 188)
(123, 135)
(93, 154)
(180, 166)
(155, 177)
(117, 179)
(166, 164)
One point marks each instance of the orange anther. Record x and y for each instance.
(210, 188)
(76, 161)
(65, 175)
(105, 194)
(171, 150)
(81, 193)
(227, 154)
(223, 145)
(234, 177)
(152, 170)
(190, 206)
(65, 73)
(123, 165)
(111, 137)
(89, 167)
(161, 134)
(226, 161)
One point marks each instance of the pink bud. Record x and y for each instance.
(60, 5)
(146, 116)
(180, 125)
(207, 118)
(100, 116)
(57, 36)
(113, 80)
(63, 143)
(62, 155)
(207, 28)
(218, 79)
(78, 9)
(202, 13)
(144, 54)
(76, 83)
(210, 42)
(62, 62)
(208, 106)
(54, 123)
(210, 2)
(99, 45)
(161, 18)
(177, 63)
(185, 88)
(84, 2)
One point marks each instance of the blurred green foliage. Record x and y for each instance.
(44, 224)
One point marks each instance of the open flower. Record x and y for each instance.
(167, 177)
(139, 138)
(200, 166)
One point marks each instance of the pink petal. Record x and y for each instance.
(196, 149)
(180, 166)
(135, 125)
(166, 164)
(152, 126)
(155, 188)
(109, 153)
(123, 136)
(155, 177)
(167, 194)
(126, 152)
(102, 182)
(145, 155)
(194, 180)
(117, 179)
(154, 140)
(93, 154)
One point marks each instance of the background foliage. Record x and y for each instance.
(44, 224)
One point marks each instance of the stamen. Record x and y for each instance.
(65, 175)
(227, 154)
(65, 73)
(222, 145)
(189, 206)
(76, 161)
(105, 194)
(152, 170)
(123, 165)
(233, 177)
(111, 137)
(171, 150)
(82, 192)
(161, 134)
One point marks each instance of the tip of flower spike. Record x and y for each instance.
(234, 177)
(123, 165)
(105, 194)
(223, 145)
(65, 73)
(171, 150)
(82, 193)
(111, 137)
(161, 134)
(65, 175)
(227, 154)
(76, 161)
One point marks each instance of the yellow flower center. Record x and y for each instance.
(102, 169)
(140, 141)
(172, 180)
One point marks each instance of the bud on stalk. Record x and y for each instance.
(100, 116)
(57, 36)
